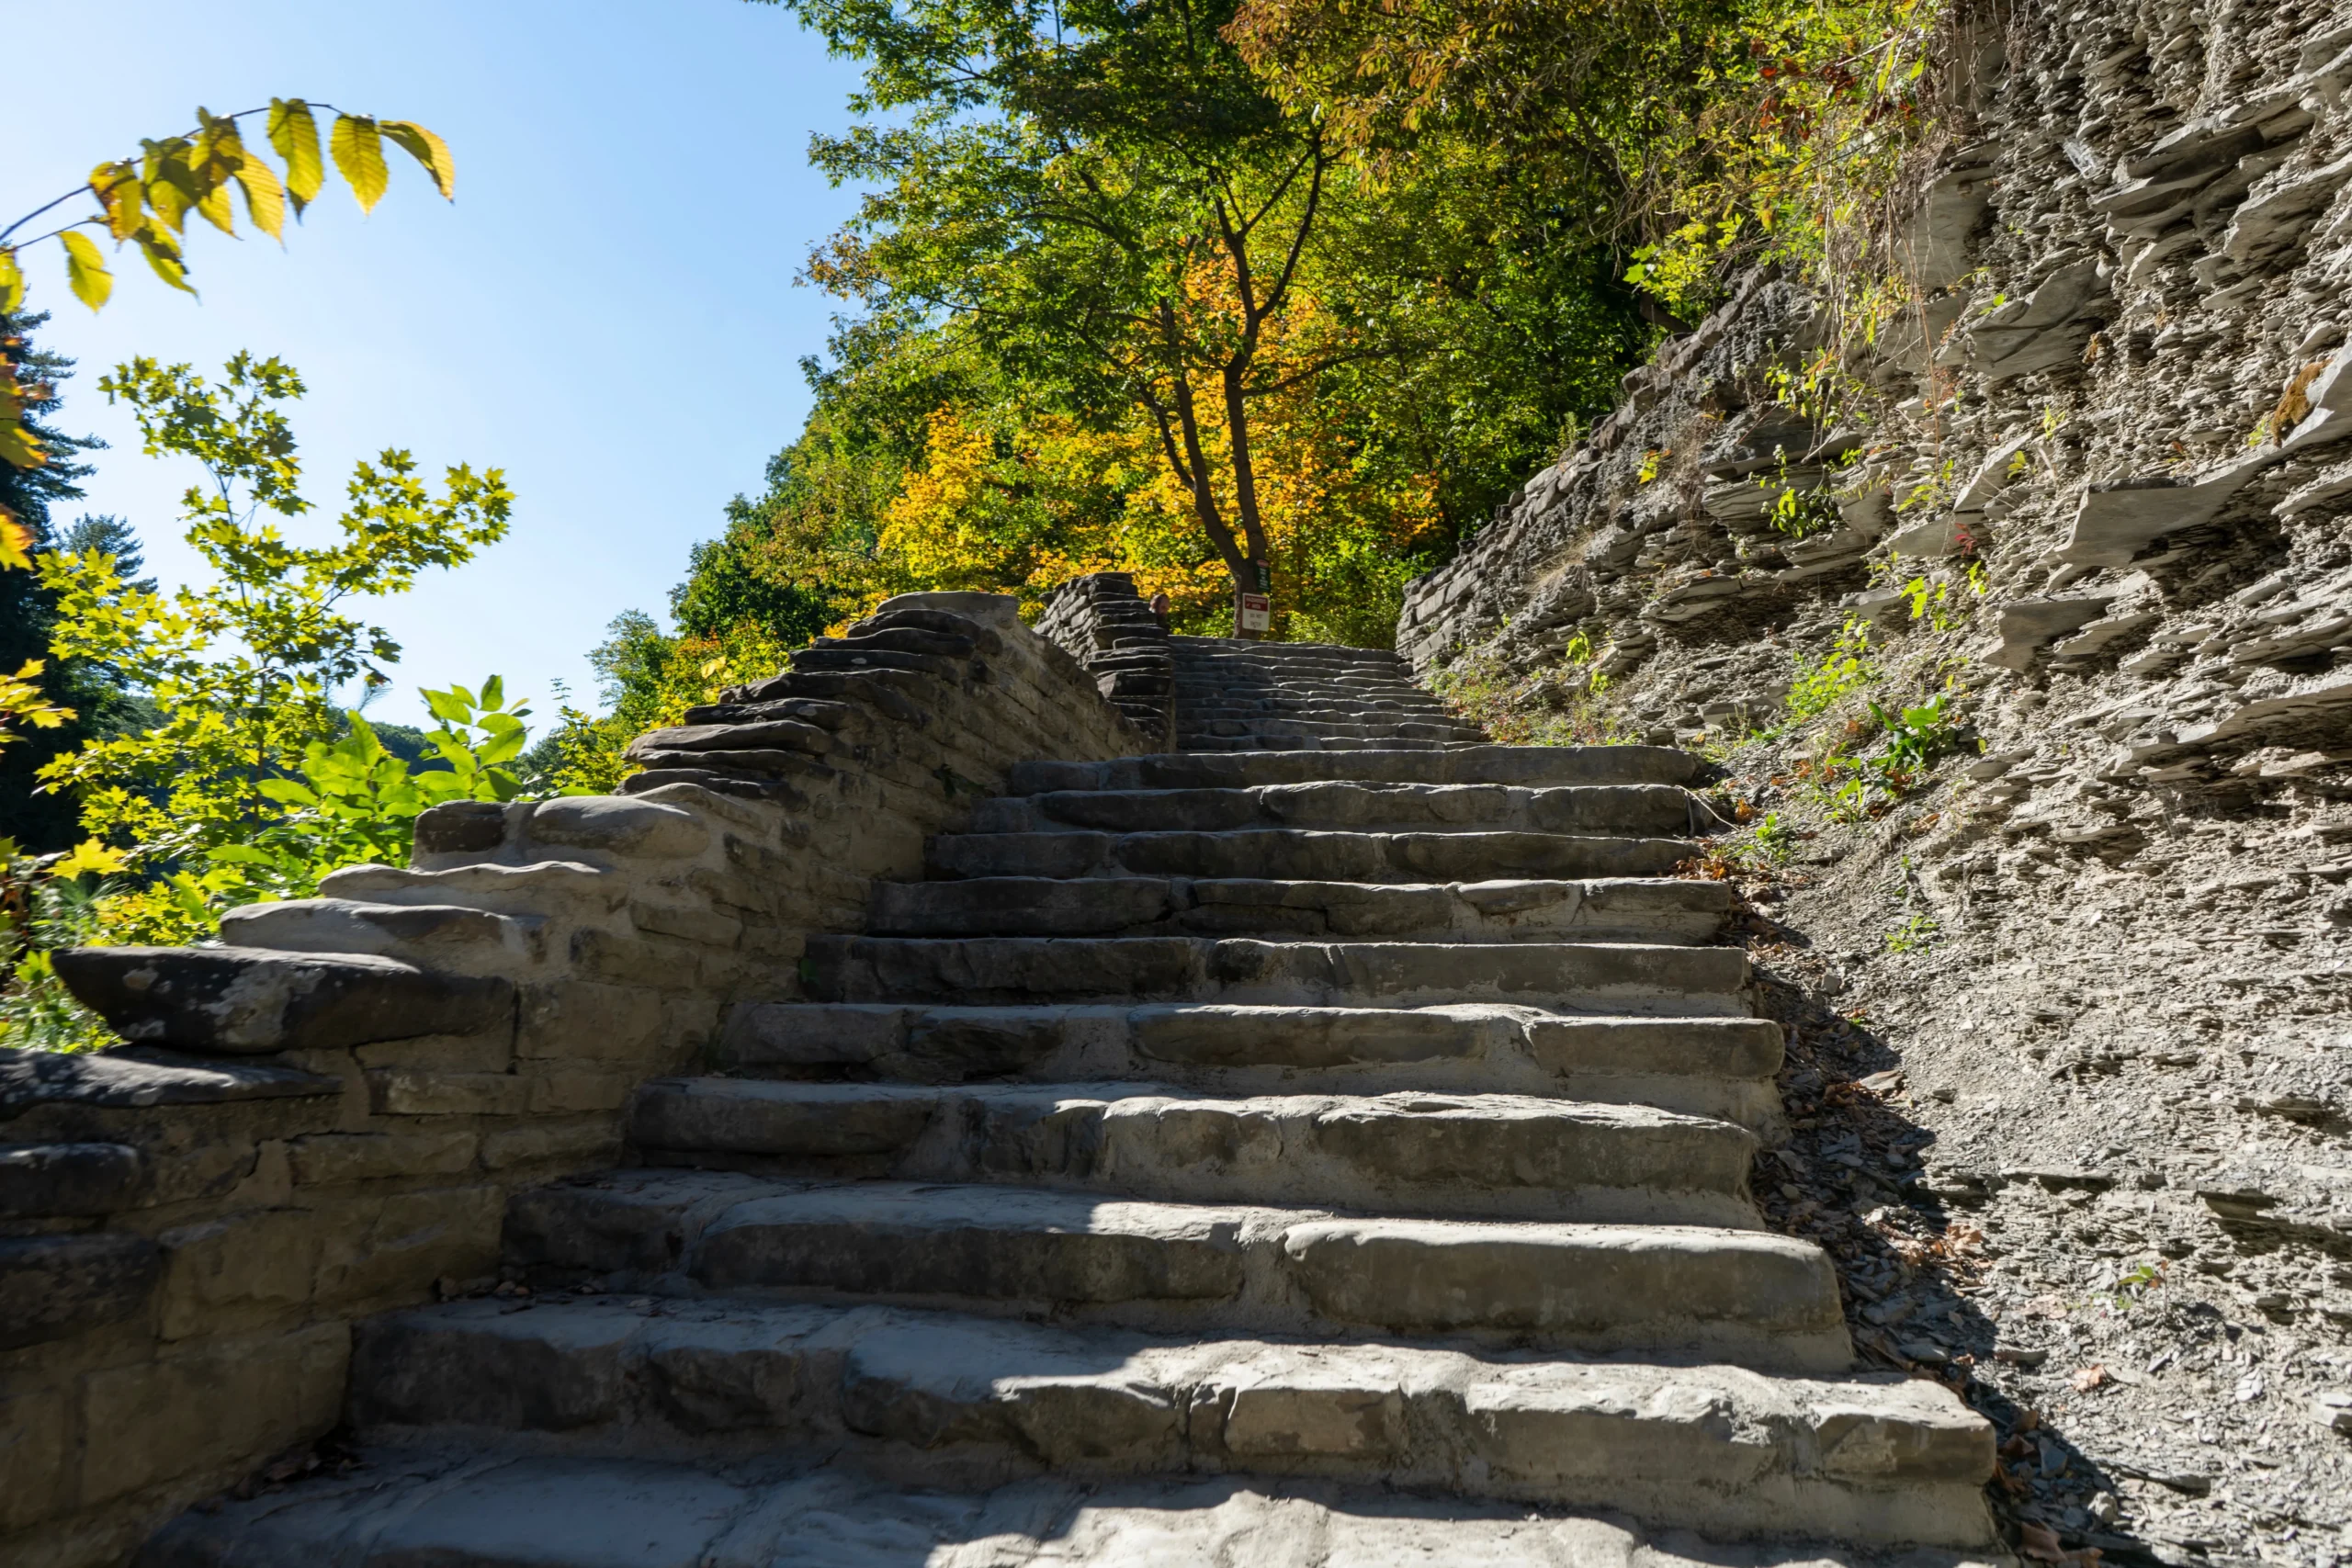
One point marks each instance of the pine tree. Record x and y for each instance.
(41, 822)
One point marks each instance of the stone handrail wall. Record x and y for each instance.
(323, 1118)
(1104, 623)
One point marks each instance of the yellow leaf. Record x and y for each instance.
(89, 858)
(117, 190)
(17, 446)
(426, 148)
(295, 134)
(360, 153)
(170, 187)
(85, 270)
(16, 542)
(265, 198)
(12, 281)
(163, 256)
(214, 205)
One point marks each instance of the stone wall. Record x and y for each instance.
(1104, 623)
(323, 1119)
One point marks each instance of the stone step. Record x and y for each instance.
(1671, 1292)
(1529, 765)
(1476, 1157)
(1633, 809)
(982, 1400)
(1257, 697)
(460, 1504)
(1706, 1066)
(1584, 977)
(1321, 723)
(1304, 854)
(1643, 910)
(1270, 727)
(1200, 740)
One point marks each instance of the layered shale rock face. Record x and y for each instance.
(2124, 389)
(2092, 486)
(1327, 1143)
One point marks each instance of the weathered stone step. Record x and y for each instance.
(1305, 854)
(1647, 909)
(1705, 1067)
(1200, 740)
(1272, 726)
(1202, 695)
(1480, 1156)
(1742, 1296)
(1325, 726)
(1664, 809)
(469, 1506)
(1531, 765)
(1638, 910)
(981, 1401)
(1586, 977)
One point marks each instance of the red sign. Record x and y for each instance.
(1257, 612)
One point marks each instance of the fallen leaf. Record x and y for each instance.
(2089, 1377)
(2039, 1542)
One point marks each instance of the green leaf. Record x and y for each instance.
(426, 148)
(359, 152)
(12, 281)
(240, 854)
(493, 693)
(502, 723)
(453, 748)
(501, 749)
(504, 786)
(85, 269)
(452, 706)
(285, 792)
(295, 133)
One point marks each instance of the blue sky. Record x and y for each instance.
(607, 311)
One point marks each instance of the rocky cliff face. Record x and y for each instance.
(2066, 943)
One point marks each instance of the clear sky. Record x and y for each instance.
(607, 311)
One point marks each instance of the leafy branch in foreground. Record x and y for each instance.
(145, 202)
(245, 670)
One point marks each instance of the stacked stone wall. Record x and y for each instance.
(323, 1118)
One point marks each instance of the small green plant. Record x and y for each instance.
(1931, 602)
(1849, 802)
(1578, 651)
(2133, 1288)
(1846, 667)
(1773, 839)
(1917, 737)
(45, 905)
(356, 802)
(1912, 935)
(1801, 512)
(1650, 461)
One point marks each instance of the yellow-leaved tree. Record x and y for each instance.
(145, 201)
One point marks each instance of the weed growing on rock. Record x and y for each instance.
(1914, 935)
(1844, 668)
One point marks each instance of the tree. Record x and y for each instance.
(244, 672)
(1691, 133)
(1101, 200)
(54, 706)
(146, 202)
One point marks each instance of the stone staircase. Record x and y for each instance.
(1328, 1144)
(1233, 695)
